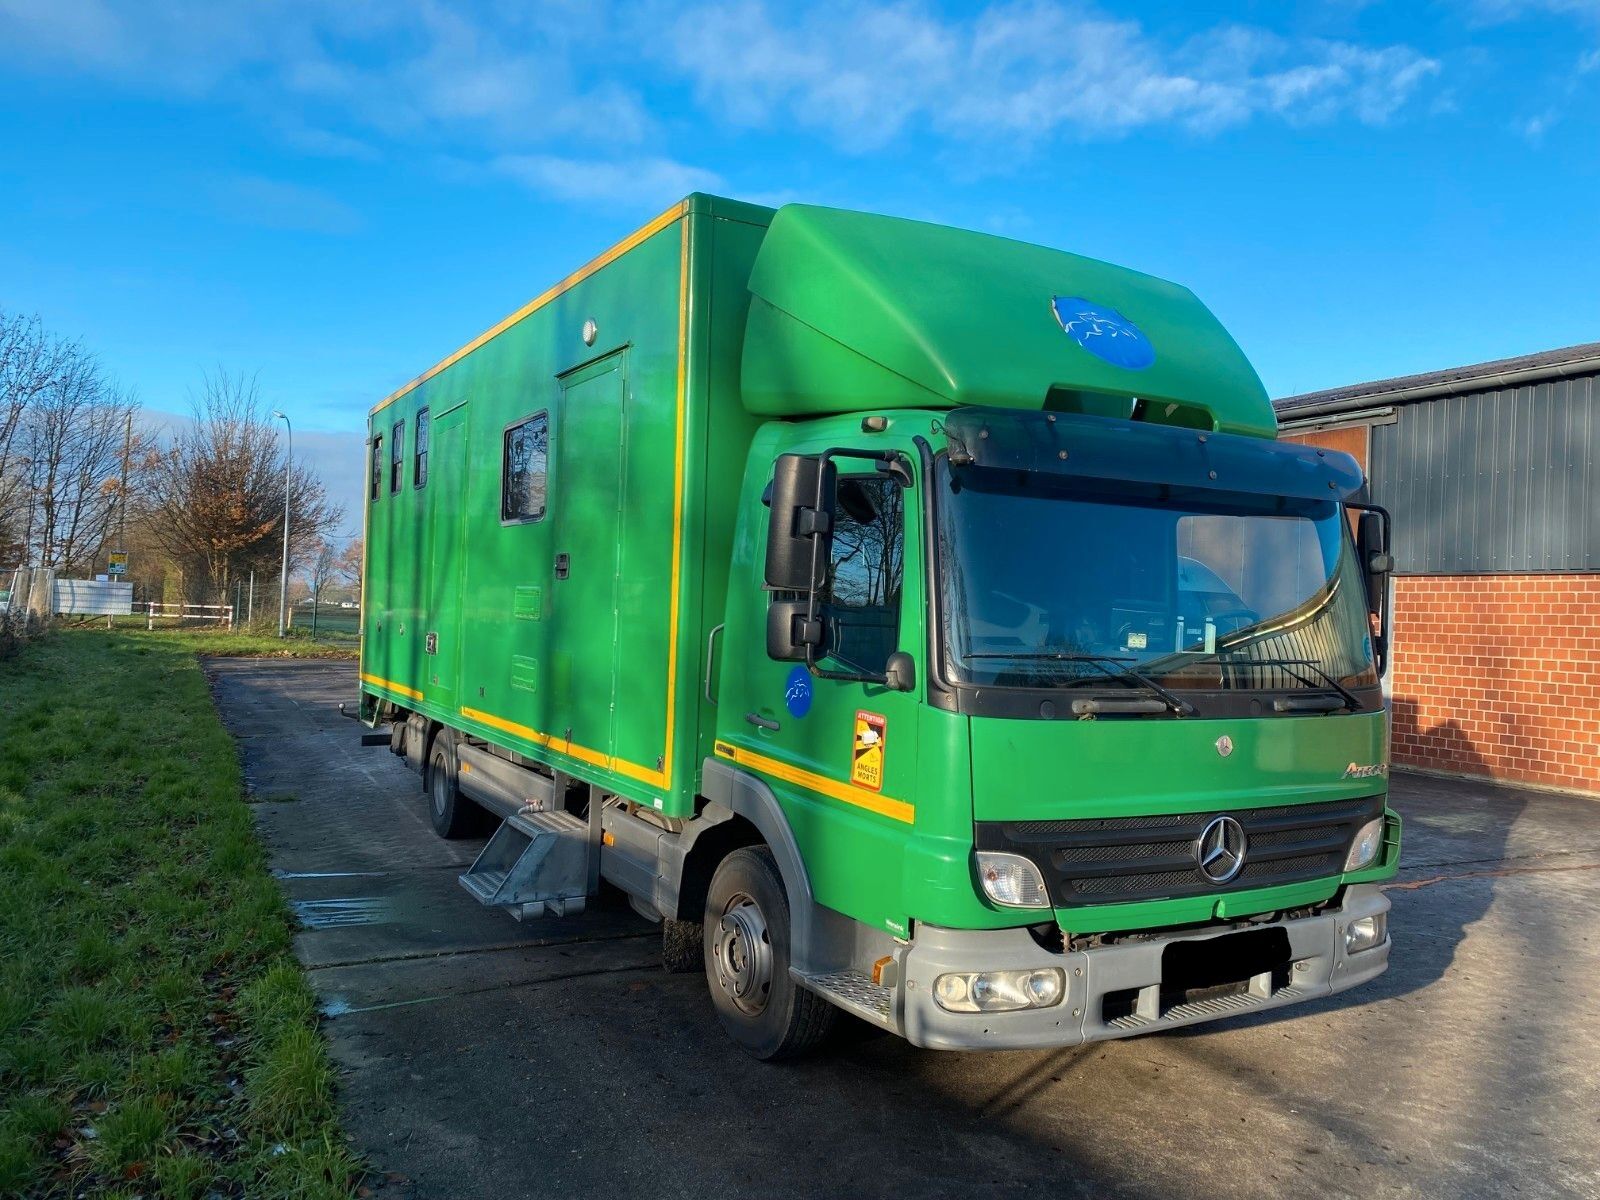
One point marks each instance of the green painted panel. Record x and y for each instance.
(861, 311)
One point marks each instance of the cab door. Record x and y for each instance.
(839, 753)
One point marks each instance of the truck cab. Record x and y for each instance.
(1079, 721)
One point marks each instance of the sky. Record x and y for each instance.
(333, 197)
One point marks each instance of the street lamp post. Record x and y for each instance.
(283, 580)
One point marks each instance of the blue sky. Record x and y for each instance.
(335, 196)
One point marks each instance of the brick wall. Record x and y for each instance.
(1499, 676)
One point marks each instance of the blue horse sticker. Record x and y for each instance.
(797, 692)
(1104, 332)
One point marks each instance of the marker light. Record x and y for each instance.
(1011, 880)
(1365, 932)
(1364, 850)
(999, 991)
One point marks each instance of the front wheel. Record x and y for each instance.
(746, 945)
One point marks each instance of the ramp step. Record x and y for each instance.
(854, 992)
(537, 863)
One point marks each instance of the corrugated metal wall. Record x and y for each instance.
(1505, 480)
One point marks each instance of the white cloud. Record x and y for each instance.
(1023, 70)
(633, 183)
(509, 78)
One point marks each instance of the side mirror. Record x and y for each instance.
(790, 631)
(1377, 563)
(800, 528)
(900, 672)
(1372, 545)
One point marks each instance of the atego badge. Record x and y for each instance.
(870, 744)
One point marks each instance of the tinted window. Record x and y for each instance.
(420, 469)
(861, 597)
(523, 474)
(397, 455)
(375, 479)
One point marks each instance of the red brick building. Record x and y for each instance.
(1492, 474)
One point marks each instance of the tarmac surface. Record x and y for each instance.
(484, 1058)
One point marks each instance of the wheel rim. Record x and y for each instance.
(440, 789)
(742, 952)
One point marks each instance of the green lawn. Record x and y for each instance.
(208, 642)
(156, 1035)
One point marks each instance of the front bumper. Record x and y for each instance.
(1319, 966)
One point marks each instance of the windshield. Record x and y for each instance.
(1060, 582)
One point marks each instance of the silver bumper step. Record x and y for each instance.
(855, 993)
(536, 864)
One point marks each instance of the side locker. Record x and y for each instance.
(444, 556)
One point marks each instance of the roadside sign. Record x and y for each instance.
(117, 563)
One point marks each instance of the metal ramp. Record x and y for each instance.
(536, 864)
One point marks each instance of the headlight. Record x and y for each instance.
(999, 991)
(1365, 932)
(1364, 850)
(1011, 880)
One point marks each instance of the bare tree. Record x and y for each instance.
(77, 438)
(349, 566)
(214, 499)
(321, 567)
(65, 448)
(30, 362)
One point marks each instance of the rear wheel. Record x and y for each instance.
(453, 815)
(746, 948)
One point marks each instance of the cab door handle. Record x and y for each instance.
(763, 722)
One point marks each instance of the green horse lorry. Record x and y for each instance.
(914, 622)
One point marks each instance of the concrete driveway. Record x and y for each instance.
(484, 1058)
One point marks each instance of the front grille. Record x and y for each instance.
(1120, 859)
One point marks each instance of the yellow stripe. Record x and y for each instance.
(572, 749)
(833, 788)
(539, 301)
(391, 685)
(677, 500)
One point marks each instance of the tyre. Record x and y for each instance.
(746, 948)
(453, 815)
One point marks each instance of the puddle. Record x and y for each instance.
(280, 873)
(342, 911)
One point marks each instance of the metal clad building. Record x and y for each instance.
(1492, 474)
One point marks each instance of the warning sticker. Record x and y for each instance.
(866, 754)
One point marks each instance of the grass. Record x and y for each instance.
(156, 1036)
(243, 643)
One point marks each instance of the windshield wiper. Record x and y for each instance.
(1117, 670)
(1287, 664)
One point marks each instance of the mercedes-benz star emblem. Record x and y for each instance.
(1224, 745)
(1220, 850)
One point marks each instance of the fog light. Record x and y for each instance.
(1364, 850)
(1365, 932)
(999, 991)
(1011, 880)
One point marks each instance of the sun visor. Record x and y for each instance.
(851, 312)
(1101, 448)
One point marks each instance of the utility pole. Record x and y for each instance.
(283, 581)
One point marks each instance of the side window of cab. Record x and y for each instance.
(860, 599)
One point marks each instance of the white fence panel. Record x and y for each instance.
(93, 598)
